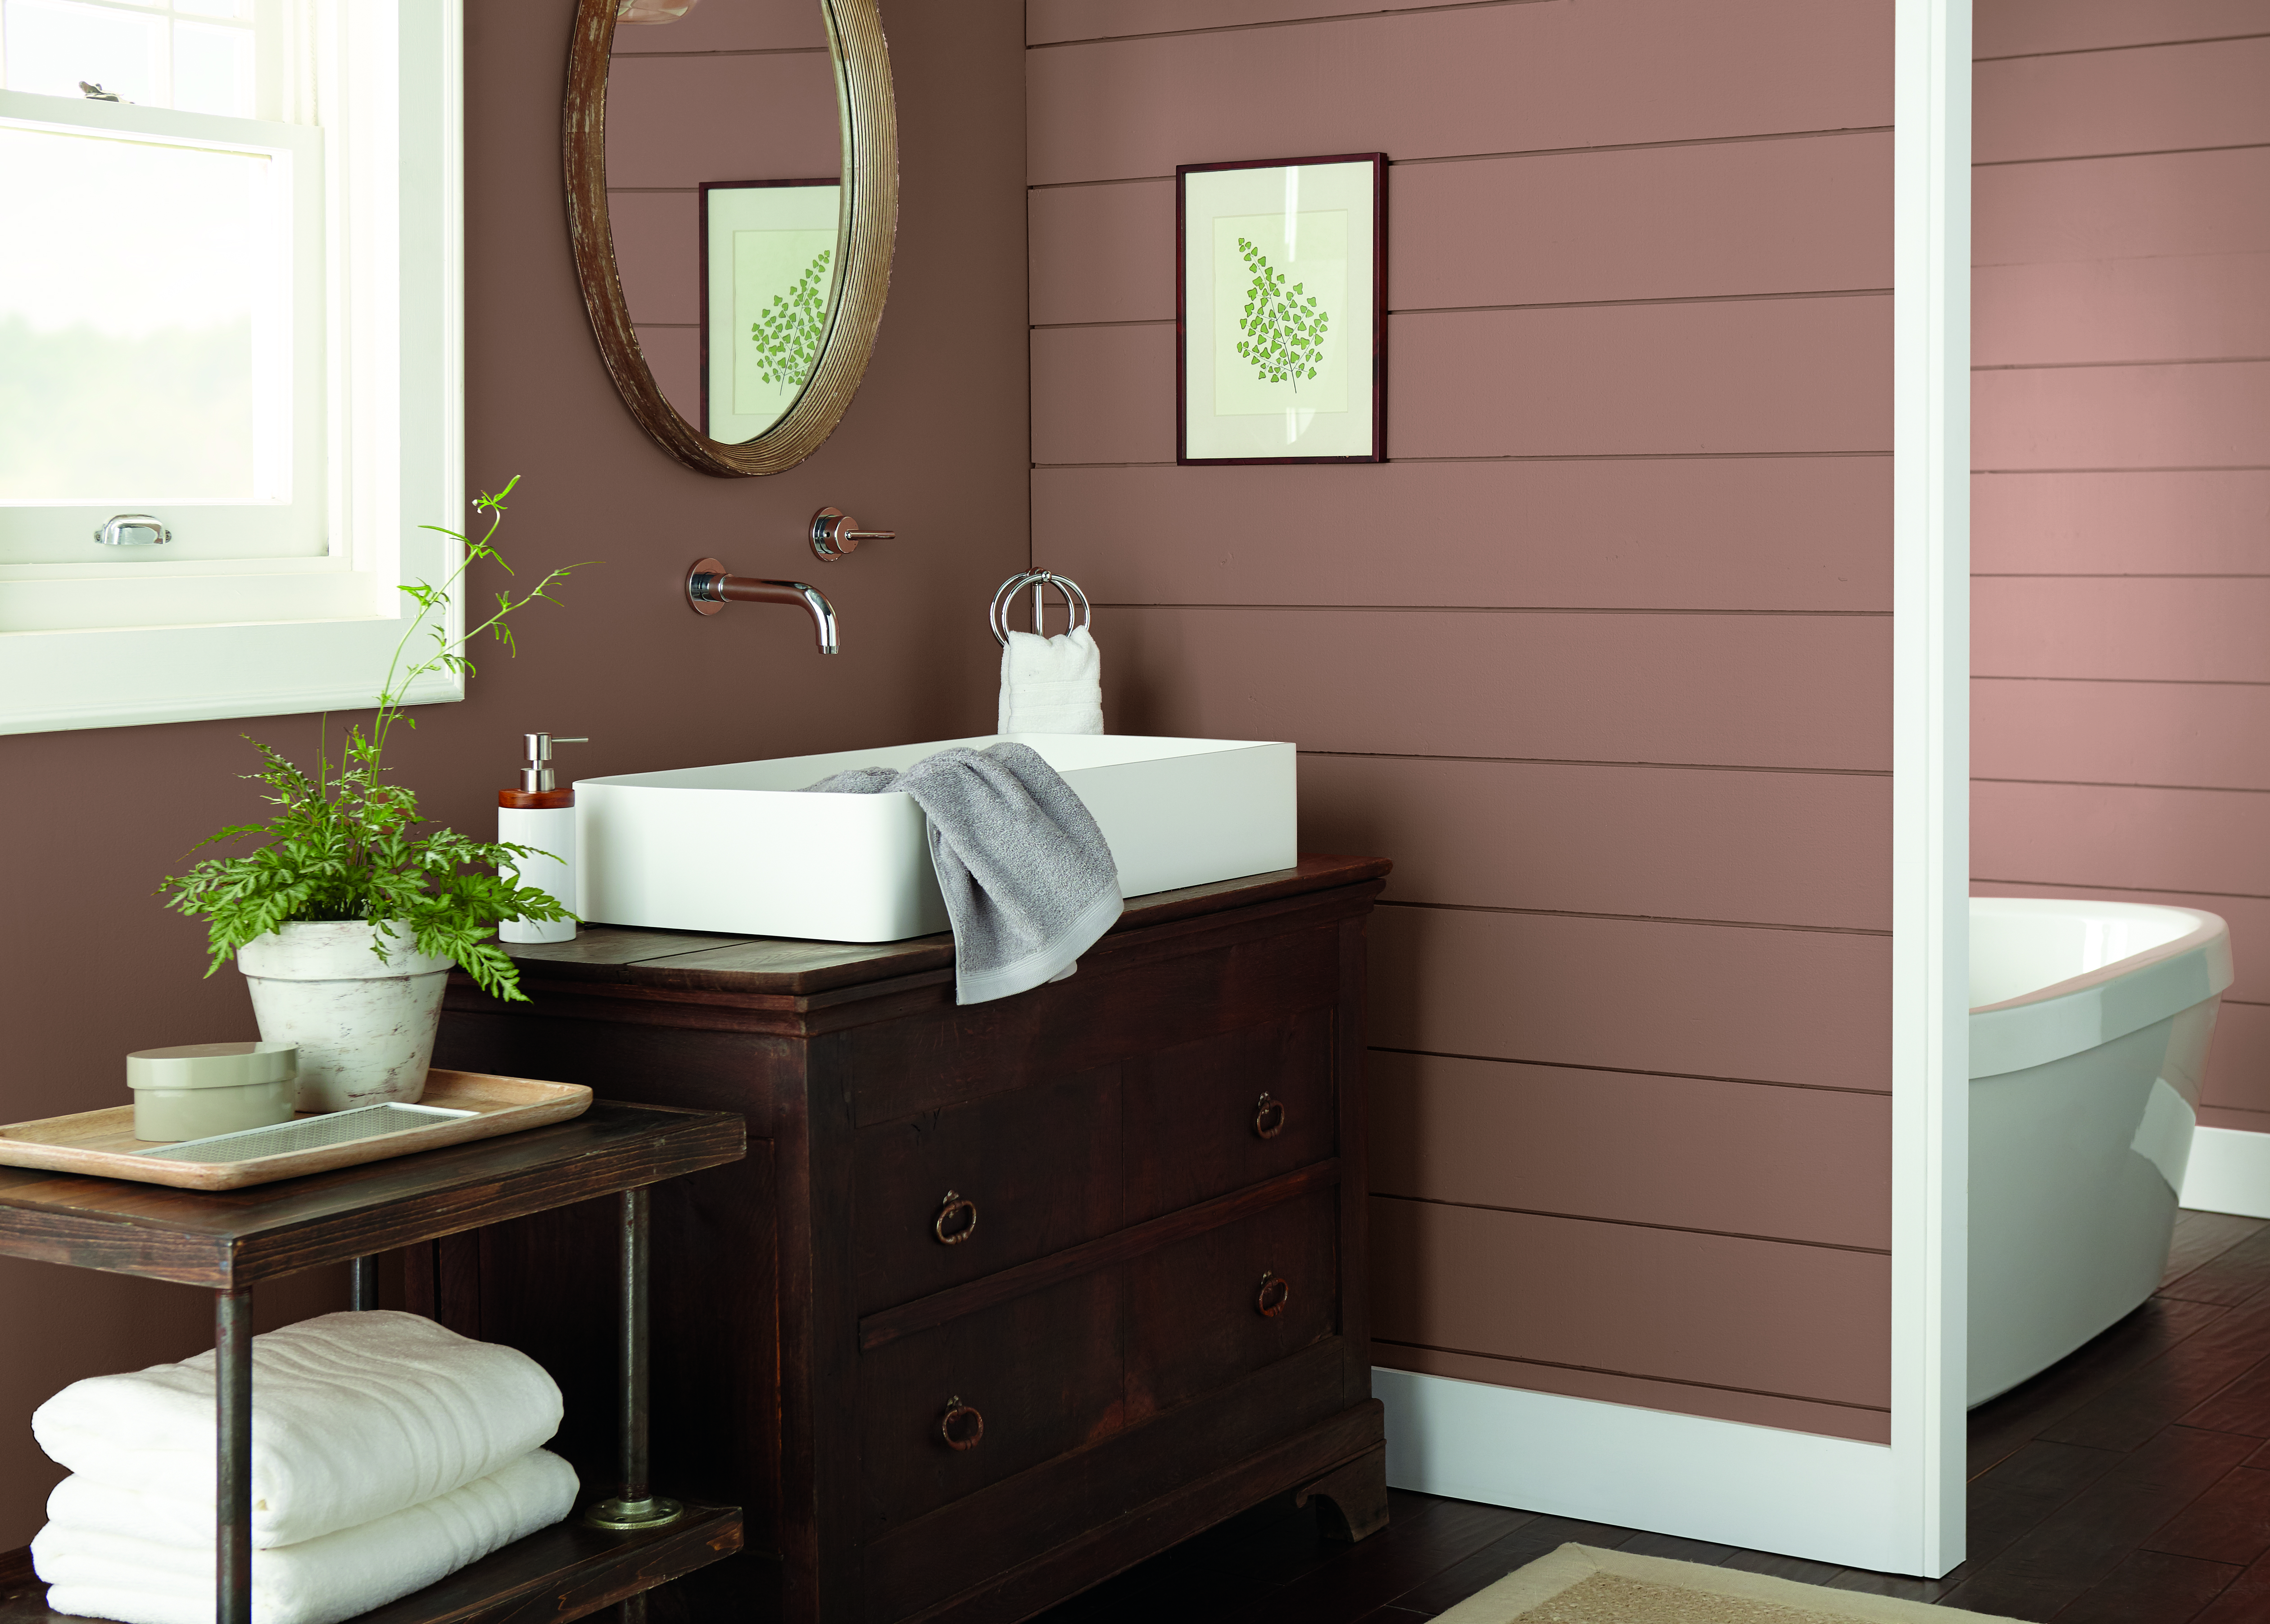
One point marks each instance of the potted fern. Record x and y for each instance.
(346, 919)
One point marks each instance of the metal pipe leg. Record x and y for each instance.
(362, 1283)
(233, 1482)
(631, 1355)
(637, 1505)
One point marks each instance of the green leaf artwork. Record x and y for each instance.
(1284, 326)
(788, 334)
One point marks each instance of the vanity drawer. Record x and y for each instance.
(1205, 1311)
(1231, 1109)
(1041, 1375)
(1031, 1172)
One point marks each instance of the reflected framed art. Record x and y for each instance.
(768, 272)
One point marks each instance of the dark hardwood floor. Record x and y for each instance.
(2129, 1484)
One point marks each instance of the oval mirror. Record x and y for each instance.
(732, 198)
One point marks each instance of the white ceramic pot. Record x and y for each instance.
(365, 1027)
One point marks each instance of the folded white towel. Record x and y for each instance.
(1051, 685)
(353, 1416)
(99, 1572)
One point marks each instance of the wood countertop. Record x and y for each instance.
(785, 967)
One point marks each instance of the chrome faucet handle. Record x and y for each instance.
(708, 589)
(835, 533)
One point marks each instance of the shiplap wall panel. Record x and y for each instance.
(1737, 218)
(2171, 97)
(664, 132)
(1102, 253)
(2168, 416)
(1710, 378)
(1804, 1322)
(1787, 1007)
(728, 28)
(1055, 21)
(2123, 754)
(2206, 735)
(2116, 834)
(1534, 686)
(2238, 1068)
(1647, 379)
(1732, 533)
(2146, 628)
(2019, 27)
(1799, 1164)
(1104, 394)
(2180, 203)
(1457, 81)
(2200, 307)
(657, 256)
(1760, 847)
(2128, 521)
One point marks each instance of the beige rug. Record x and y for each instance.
(1578, 1584)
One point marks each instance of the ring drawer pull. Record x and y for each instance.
(960, 1426)
(1268, 1116)
(1275, 1292)
(956, 1221)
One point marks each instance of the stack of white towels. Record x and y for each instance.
(387, 1453)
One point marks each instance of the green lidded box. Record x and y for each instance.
(199, 1089)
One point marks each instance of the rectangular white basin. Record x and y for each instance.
(735, 849)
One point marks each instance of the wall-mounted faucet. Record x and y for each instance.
(710, 588)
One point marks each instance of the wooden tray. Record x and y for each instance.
(101, 1144)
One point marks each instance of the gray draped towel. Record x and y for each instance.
(1029, 880)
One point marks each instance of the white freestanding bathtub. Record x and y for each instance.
(2088, 1034)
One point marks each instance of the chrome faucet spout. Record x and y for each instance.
(823, 616)
(710, 588)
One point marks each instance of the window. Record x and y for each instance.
(230, 301)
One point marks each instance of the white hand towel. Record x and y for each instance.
(102, 1573)
(353, 1416)
(1051, 685)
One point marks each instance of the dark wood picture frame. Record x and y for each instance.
(701, 267)
(1378, 311)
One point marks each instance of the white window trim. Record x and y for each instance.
(314, 635)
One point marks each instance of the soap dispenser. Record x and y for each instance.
(541, 816)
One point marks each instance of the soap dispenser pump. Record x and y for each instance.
(540, 815)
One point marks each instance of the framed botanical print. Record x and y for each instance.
(1280, 304)
(768, 276)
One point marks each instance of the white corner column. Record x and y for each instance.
(1931, 779)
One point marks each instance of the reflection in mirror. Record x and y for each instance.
(725, 143)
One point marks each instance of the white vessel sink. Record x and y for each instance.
(734, 848)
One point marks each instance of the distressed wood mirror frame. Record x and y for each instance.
(869, 228)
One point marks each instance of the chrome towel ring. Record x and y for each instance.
(1075, 601)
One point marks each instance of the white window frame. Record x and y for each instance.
(277, 637)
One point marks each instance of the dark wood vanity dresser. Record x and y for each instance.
(1004, 1298)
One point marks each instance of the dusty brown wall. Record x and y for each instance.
(934, 447)
(1600, 656)
(2121, 443)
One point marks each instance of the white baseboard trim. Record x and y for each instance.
(2228, 1172)
(1831, 1499)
